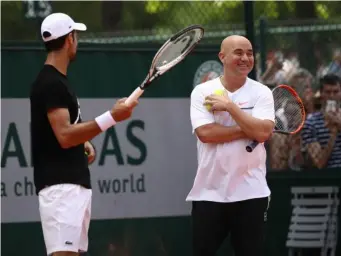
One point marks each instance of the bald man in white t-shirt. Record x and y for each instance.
(230, 194)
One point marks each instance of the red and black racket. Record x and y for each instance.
(289, 112)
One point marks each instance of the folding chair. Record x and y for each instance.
(314, 219)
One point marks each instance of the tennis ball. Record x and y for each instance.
(219, 92)
(216, 92)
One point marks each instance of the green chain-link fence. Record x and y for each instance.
(152, 21)
(293, 39)
(296, 43)
(287, 25)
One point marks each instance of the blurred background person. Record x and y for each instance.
(321, 133)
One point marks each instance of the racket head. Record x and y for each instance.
(177, 48)
(289, 110)
(173, 51)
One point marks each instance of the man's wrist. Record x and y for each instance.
(105, 121)
(228, 106)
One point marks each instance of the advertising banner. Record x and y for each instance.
(144, 166)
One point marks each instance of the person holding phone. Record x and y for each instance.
(321, 133)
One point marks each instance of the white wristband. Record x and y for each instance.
(105, 121)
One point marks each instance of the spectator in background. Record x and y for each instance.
(302, 82)
(335, 65)
(321, 133)
(321, 54)
(274, 73)
(280, 69)
(286, 150)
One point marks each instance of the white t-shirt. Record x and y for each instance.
(226, 171)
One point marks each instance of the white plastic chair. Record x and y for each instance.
(314, 219)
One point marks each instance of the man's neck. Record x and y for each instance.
(58, 60)
(233, 83)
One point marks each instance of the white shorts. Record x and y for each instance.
(65, 211)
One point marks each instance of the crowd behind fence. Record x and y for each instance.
(296, 44)
(316, 77)
(303, 52)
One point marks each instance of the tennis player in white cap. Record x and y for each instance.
(60, 142)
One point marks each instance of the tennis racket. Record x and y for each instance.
(289, 112)
(172, 52)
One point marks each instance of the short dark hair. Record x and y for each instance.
(330, 79)
(56, 44)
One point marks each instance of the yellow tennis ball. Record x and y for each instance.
(219, 92)
(216, 92)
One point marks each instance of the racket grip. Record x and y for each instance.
(251, 146)
(134, 96)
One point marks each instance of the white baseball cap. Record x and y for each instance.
(58, 25)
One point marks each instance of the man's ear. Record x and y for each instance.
(70, 38)
(221, 57)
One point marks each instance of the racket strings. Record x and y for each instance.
(289, 110)
(177, 48)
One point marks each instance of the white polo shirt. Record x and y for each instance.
(226, 171)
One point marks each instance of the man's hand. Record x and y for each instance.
(217, 102)
(333, 121)
(338, 120)
(122, 111)
(90, 152)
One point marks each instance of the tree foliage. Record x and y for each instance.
(158, 16)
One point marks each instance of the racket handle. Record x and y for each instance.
(251, 146)
(134, 96)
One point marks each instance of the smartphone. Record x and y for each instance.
(331, 105)
(279, 57)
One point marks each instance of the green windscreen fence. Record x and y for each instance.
(154, 152)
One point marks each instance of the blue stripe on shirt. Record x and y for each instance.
(315, 130)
